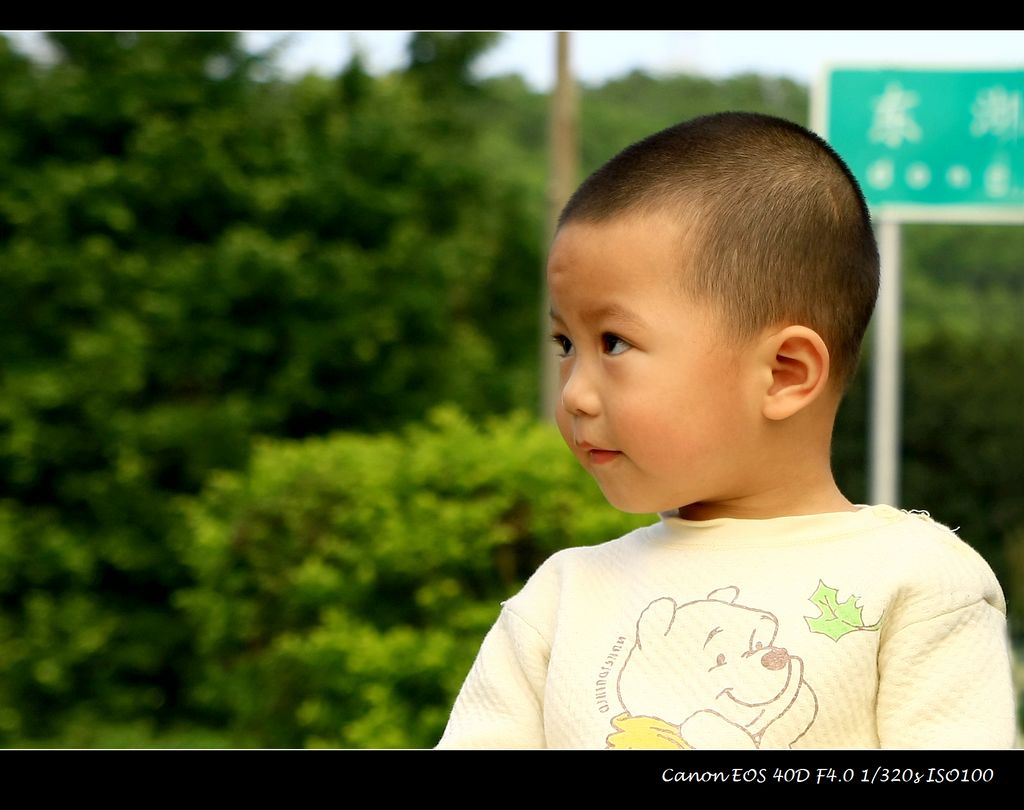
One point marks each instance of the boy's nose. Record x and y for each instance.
(579, 397)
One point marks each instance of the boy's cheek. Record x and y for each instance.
(565, 426)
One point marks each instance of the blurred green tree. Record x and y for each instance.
(194, 251)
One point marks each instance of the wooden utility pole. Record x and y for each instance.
(562, 179)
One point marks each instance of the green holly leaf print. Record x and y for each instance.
(837, 618)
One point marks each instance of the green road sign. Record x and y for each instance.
(930, 144)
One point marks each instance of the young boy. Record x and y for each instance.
(710, 286)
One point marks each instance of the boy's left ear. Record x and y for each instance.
(796, 365)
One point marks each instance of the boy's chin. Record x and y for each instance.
(635, 504)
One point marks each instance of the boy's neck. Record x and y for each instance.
(789, 477)
(772, 504)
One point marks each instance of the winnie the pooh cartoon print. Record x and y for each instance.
(707, 674)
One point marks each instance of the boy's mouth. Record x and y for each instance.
(598, 455)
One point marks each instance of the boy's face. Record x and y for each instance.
(657, 404)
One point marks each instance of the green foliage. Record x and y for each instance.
(625, 110)
(343, 585)
(194, 252)
(441, 61)
(971, 474)
(964, 282)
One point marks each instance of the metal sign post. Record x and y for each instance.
(884, 424)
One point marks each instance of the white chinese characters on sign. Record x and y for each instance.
(880, 173)
(893, 121)
(893, 124)
(958, 176)
(996, 111)
(997, 179)
(918, 175)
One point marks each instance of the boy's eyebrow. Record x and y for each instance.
(610, 311)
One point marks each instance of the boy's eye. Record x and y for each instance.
(613, 344)
(564, 345)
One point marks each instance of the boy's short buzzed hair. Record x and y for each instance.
(775, 227)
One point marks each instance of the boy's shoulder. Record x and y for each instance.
(567, 569)
(933, 563)
(567, 560)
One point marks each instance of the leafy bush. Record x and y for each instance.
(343, 584)
(194, 252)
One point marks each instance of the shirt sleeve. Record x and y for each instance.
(945, 681)
(501, 701)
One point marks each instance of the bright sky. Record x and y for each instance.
(600, 55)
